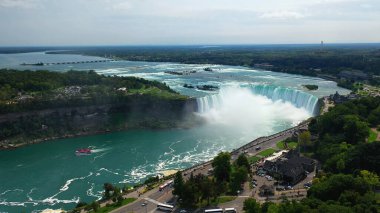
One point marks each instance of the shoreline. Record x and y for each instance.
(200, 166)
(78, 135)
(42, 140)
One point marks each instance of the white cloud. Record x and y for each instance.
(27, 4)
(122, 6)
(282, 15)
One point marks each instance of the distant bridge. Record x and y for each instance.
(62, 63)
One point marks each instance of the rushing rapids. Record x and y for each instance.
(297, 98)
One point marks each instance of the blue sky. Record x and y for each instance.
(150, 22)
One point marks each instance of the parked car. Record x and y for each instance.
(307, 185)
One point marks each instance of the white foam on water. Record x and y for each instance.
(113, 71)
(100, 150)
(90, 192)
(6, 203)
(52, 200)
(68, 182)
(171, 148)
(155, 75)
(109, 171)
(29, 193)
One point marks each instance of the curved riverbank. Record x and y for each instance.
(143, 192)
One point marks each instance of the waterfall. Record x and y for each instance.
(297, 98)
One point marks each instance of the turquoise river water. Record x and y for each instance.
(249, 104)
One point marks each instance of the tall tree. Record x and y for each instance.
(95, 206)
(251, 206)
(178, 185)
(304, 139)
(355, 130)
(242, 161)
(108, 188)
(238, 177)
(222, 166)
(208, 189)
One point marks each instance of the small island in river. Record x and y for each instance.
(208, 87)
(310, 86)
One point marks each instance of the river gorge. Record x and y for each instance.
(248, 104)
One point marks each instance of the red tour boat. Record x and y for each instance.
(83, 152)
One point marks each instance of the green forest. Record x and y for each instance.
(349, 177)
(36, 90)
(42, 105)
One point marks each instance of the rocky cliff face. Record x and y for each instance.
(136, 112)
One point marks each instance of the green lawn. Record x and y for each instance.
(291, 145)
(115, 206)
(225, 199)
(267, 152)
(253, 159)
(372, 136)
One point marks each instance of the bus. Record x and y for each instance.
(214, 210)
(230, 210)
(163, 186)
(165, 207)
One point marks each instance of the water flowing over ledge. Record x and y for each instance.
(297, 98)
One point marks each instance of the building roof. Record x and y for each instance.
(289, 165)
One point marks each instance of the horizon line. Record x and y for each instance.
(189, 45)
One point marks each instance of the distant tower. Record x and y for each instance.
(322, 44)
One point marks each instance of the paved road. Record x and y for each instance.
(147, 202)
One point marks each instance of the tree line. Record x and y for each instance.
(34, 90)
(348, 180)
(308, 60)
(227, 179)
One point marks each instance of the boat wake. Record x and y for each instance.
(99, 150)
